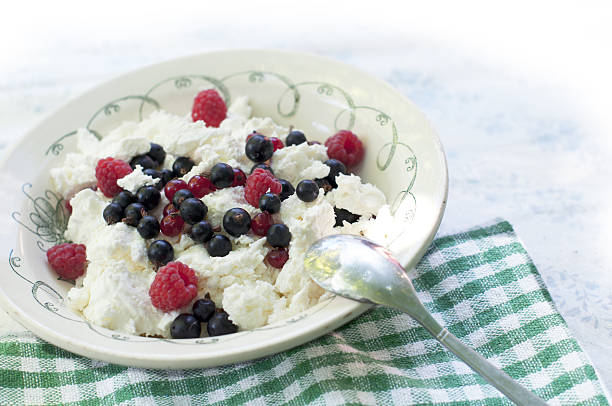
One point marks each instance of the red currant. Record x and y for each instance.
(261, 223)
(169, 208)
(201, 186)
(172, 224)
(278, 144)
(173, 186)
(277, 257)
(239, 177)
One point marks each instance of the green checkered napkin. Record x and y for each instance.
(481, 284)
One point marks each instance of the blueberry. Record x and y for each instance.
(149, 196)
(202, 231)
(166, 176)
(307, 190)
(236, 222)
(258, 148)
(288, 189)
(160, 252)
(219, 246)
(180, 196)
(124, 198)
(220, 324)
(193, 210)
(157, 153)
(143, 160)
(344, 215)
(262, 166)
(222, 175)
(133, 213)
(278, 236)
(335, 168)
(295, 137)
(324, 184)
(148, 227)
(155, 174)
(182, 165)
(113, 213)
(270, 202)
(185, 326)
(203, 309)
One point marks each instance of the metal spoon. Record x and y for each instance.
(361, 270)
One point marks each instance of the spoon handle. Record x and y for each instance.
(495, 376)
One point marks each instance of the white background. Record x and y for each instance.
(518, 91)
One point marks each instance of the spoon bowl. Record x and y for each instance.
(359, 269)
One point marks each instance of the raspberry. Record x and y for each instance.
(261, 223)
(174, 286)
(210, 107)
(201, 186)
(258, 183)
(68, 260)
(108, 171)
(239, 177)
(345, 147)
(277, 257)
(278, 144)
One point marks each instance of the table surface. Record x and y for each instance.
(517, 148)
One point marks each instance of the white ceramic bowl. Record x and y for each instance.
(404, 159)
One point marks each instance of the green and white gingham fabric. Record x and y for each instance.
(481, 284)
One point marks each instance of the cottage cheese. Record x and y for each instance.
(114, 291)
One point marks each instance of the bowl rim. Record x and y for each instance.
(256, 350)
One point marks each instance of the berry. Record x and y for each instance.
(278, 235)
(203, 309)
(236, 222)
(68, 206)
(155, 174)
(219, 246)
(143, 160)
(220, 324)
(278, 144)
(182, 165)
(193, 210)
(343, 215)
(160, 252)
(113, 213)
(258, 148)
(200, 186)
(180, 196)
(277, 257)
(307, 190)
(209, 107)
(172, 224)
(262, 166)
(270, 202)
(174, 286)
(169, 208)
(335, 168)
(185, 326)
(148, 227)
(133, 213)
(202, 231)
(222, 175)
(345, 147)
(287, 190)
(173, 186)
(166, 176)
(295, 137)
(124, 198)
(108, 171)
(149, 196)
(251, 134)
(239, 177)
(261, 223)
(258, 183)
(324, 184)
(68, 260)
(157, 153)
